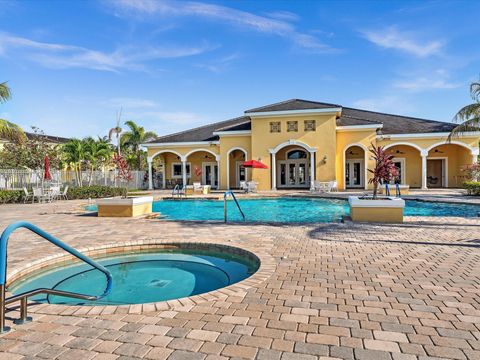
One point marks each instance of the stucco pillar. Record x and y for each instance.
(274, 172)
(475, 153)
(312, 171)
(150, 175)
(424, 154)
(184, 172)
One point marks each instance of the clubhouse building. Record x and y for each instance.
(306, 141)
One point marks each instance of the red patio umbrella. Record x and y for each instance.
(254, 164)
(47, 175)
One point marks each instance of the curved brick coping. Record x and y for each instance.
(267, 266)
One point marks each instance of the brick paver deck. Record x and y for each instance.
(342, 291)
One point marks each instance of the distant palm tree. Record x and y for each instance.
(469, 115)
(74, 155)
(116, 131)
(133, 139)
(9, 130)
(97, 152)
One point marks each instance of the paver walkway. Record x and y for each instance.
(344, 291)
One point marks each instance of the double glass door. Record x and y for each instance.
(209, 174)
(293, 173)
(354, 173)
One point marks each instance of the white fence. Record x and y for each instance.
(15, 179)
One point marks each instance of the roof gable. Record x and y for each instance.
(293, 104)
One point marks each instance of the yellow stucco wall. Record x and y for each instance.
(323, 138)
(328, 141)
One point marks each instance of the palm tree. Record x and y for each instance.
(97, 152)
(469, 115)
(74, 155)
(9, 130)
(133, 139)
(117, 130)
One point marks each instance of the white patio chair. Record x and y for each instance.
(243, 185)
(251, 186)
(332, 186)
(63, 195)
(318, 186)
(38, 194)
(27, 195)
(197, 187)
(54, 193)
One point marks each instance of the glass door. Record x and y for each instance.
(354, 173)
(209, 174)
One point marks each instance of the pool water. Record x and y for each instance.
(293, 210)
(143, 277)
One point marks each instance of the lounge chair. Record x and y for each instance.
(27, 195)
(251, 186)
(63, 195)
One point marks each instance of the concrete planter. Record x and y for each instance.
(129, 207)
(384, 209)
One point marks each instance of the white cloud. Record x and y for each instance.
(392, 38)
(126, 102)
(278, 24)
(423, 81)
(388, 103)
(62, 56)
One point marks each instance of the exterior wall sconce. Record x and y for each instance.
(324, 160)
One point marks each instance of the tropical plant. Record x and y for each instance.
(469, 115)
(131, 140)
(124, 174)
(116, 131)
(73, 153)
(9, 130)
(384, 170)
(97, 153)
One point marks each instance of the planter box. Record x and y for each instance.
(404, 189)
(384, 209)
(129, 207)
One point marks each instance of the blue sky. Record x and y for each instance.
(174, 65)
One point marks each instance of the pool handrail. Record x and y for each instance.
(225, 195)
(24, 296)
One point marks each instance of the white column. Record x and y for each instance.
(218, 174)
(150, 175)
(475, 153)
(424, 155)
(274, 172)
(164, 175)
(312, 171)
(184, 172)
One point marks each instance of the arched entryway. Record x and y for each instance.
(355, 172)
(236, 173)
(204, 168)
(293, 165)
(408, 161)
(161, 176)
(445, 163)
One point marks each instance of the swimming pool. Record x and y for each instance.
(293, 210)
(144, 277)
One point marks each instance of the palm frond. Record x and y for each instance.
(472, 124)
(5, 92)
(11, 131)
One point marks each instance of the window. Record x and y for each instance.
(177, 170)
(296, 154)
(310, 125)
(292, 126)
(275, 127)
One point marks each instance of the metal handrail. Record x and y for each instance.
(177, 191)
(24, 296)
(225, 195)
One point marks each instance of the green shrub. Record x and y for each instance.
(11, 196)
(472, 187)
(94, 192)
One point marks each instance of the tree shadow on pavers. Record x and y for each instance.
(348, 234)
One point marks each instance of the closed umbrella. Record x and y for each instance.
(47, 175)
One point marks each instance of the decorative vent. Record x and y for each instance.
(275, 127)
(310, 125)
(292, 126)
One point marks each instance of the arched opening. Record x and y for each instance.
(408, 162)
(164, 175)
(355, 167)
(236, 171)
(202, 167)
(293, 167)
(445, 163)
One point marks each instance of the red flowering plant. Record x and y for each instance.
(385, 169)
(124, 174)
